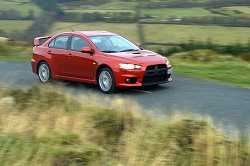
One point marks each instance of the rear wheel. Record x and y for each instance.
(44, 72)
(106, 81)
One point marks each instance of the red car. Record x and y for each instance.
(98, 57)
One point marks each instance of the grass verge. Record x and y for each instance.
(15, 50)
(42, 127)
(208, 64)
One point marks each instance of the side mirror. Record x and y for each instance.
(138, 45)
(87, 50)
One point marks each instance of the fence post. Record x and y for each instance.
(139, 27)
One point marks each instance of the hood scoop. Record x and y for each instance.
(138, 56)
(136, 53)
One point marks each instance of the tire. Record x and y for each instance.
(44, 72)
(106, 81)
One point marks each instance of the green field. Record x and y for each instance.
(161, 14)
(20, 6)
(171, 13)
(113, 5)
(10, 26)
(99, 11)
(156, 14)
(166, 33)
(127, 30)
(161, 33)
(235, 11)
(243, 9)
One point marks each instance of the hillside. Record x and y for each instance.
(29, 13)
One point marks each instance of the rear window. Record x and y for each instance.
(59, 42)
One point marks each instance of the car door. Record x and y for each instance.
(59, 54)
(82, 65)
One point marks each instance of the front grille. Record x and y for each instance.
(155, 74)
(159, 66)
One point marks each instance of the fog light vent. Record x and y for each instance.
(130, 80)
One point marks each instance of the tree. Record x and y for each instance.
(48, 5)
(30, 15)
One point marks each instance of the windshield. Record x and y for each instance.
(113, 43)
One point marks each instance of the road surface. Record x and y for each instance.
(227, 105)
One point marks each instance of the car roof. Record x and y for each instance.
(91, 33)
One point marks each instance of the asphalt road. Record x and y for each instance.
(228, 106)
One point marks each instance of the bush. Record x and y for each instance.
(36, 96)
(199, 55)
(245, 56)
(169, 51)
(4, 49)
(88, 155)
(237, 49)
(111, 124)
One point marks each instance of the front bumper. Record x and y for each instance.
(33, 66)
(145, 76)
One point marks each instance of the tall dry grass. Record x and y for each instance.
(45, 127)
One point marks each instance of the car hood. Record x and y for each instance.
(136, 57)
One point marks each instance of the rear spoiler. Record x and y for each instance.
(37, 40)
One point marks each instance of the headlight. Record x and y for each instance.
(167, 61)
(129, 66)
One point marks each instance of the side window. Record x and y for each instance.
(52, 43)
(59, 42)
(78, 43)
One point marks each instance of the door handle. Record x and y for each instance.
(49, 52)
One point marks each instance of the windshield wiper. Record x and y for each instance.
(129, 50)
(108, 51)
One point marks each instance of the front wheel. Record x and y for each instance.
(44, 72)
(106, 81)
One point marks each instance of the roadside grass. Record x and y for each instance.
(24, 9)
(208, 64)
(165, 33)
(44, 127)
(15, 50)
